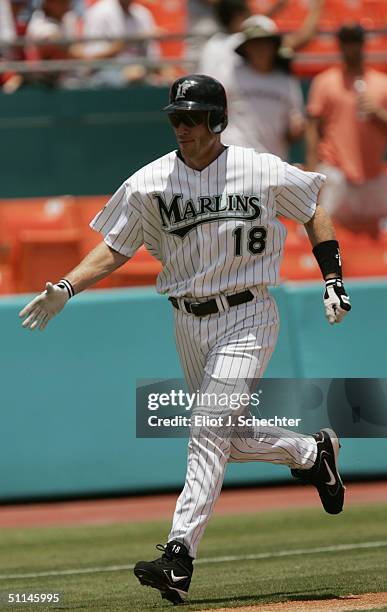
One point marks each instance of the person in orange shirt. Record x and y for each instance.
(347, 133)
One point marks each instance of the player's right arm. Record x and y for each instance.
(97, 264)
(120, 223)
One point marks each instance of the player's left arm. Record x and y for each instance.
(326, 250)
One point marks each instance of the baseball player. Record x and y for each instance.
(209, 213)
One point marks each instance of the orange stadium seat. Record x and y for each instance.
(296, 234)
(45, 255)
(42, 239)
(36, 215)
(371, 13)
(19, 215)
(141, 270)
(171, 17)
(362, 255)
(299, 264)
(88, 207)
(365, 263)
(322, 51)
(7, 285)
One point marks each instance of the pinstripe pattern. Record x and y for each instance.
(227, 352)
(203, 262)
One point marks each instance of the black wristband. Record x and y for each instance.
(65, 284)
(327, 254)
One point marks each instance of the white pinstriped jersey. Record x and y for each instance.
(215, 230)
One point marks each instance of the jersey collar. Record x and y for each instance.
(180, 157)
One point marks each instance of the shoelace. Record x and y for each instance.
(166, 555)
(169, 556)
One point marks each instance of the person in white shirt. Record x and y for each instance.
(115, 19)
(206, 16)
(53, 21)
(230, 14)
(7, 26)
(265, 101)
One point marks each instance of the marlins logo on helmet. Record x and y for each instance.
(182, 89)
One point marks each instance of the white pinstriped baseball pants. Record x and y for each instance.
(227, 353)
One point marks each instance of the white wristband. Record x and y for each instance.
(65, 284)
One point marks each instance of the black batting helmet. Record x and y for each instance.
(198, 92)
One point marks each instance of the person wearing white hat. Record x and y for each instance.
(265, 100)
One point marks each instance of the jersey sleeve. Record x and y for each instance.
(120, 222)
(297, 193)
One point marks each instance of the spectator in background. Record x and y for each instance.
(347, 135)
(53, 21)
(7, 33)
(7, 26)
(265, 101)
(205, 17)
(230, 14)
(119, 18)
(201, 24)
(20, 14)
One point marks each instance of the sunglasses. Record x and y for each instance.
(189, 119)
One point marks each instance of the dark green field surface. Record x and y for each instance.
(305, 554)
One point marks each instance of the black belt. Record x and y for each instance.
(202, 309)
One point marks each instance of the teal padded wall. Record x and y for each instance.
(56, 142)
(68, 394)
(358, 348)
(81, 142)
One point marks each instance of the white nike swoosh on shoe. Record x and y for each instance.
(332, 480)
(177, 578)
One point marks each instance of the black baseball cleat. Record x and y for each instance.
(171, 574)
(324, 475)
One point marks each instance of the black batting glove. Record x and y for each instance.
(336, 300)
